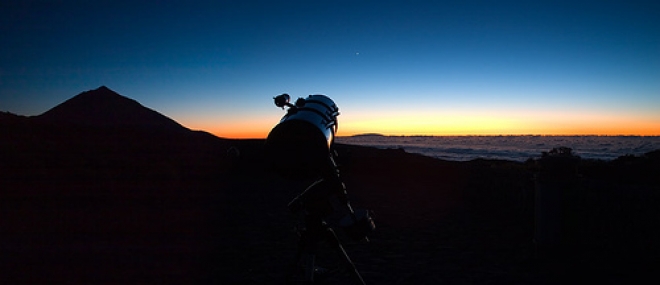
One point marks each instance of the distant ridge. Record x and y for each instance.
(103, 107)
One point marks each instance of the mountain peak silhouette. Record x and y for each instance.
(103, 107)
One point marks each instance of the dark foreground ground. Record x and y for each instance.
(157, 210)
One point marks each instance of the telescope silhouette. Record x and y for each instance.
(300, 147)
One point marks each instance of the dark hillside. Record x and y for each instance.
(103, 107)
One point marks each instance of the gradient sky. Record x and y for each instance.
(393, 67)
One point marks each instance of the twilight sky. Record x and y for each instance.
(393, 67)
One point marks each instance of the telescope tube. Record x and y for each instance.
(299, 145)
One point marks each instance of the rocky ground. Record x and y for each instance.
(144, 209)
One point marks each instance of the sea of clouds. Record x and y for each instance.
(517, 148)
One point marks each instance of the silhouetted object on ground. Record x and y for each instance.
(301, 146)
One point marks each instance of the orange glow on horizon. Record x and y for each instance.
(461, 125)
(261, 134)
(511, 123)
(253, 129)
(240, 132)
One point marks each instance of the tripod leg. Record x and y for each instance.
(294, 265)
(334, 242)
(305, 258)
(308, 262)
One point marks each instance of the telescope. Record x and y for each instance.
(299, 145)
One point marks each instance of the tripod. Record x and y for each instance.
(316, 231)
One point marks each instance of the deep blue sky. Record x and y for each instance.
(396, 67)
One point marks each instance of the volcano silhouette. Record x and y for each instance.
(103, 107)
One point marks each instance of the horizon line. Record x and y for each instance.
(505, 135)
(463, 135)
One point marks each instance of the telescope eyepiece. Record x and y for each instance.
(282, 100)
